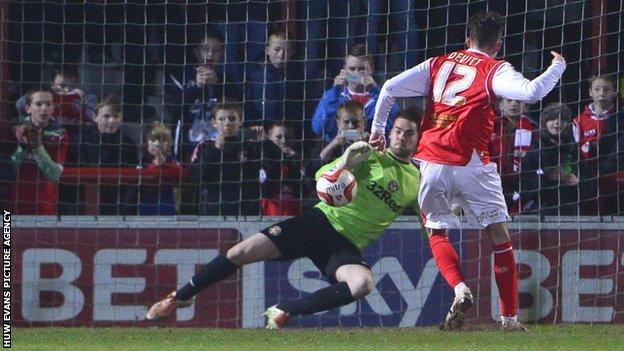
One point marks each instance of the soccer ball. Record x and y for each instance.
(336, 188)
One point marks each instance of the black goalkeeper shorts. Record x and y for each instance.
(311, 235)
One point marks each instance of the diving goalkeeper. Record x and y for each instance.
(332, 237)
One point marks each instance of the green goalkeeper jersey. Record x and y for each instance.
(385, 187)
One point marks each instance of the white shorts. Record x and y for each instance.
(476, 188)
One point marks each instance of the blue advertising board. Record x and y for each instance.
(408, 289)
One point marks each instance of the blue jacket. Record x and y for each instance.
(324, 120)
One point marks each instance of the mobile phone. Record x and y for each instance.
(355, 78)
(351, 134)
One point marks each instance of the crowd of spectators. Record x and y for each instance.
(566, 165)
(252, 148)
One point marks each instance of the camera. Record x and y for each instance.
(351, 134)
(355, 78)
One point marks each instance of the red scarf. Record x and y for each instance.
(362, 98)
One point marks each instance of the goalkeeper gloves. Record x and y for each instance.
(354, 155)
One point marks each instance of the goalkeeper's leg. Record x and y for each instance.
(256, 248)
(353, 281)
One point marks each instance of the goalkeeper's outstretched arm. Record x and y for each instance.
(353, 156)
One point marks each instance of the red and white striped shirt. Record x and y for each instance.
(587, 128)
(510, 141)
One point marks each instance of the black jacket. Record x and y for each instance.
(107, 150)
(547, 155)
(111, 150)
(228, 178)
(281, 172)
(611, 145)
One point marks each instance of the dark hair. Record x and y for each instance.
(67, 71)
(411, 114)
(359, 51)
(30, 93)
(607, 78)
(111, 101)
(272, 124)
(486, 29)
(555, 110)
(229, 105)
(198, 37)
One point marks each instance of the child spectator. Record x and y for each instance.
(72, 113)
(355, 82)
(159, 199)
(227, 167)
(551, 172)
(267, 89)
(509, 143)
(599, 131)
(39, 157)
(279, 90)
(192, 95)
(71, 108)
(106, 145)
(280, 174)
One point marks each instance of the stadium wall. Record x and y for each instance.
(80, 272)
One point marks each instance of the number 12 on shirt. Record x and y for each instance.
(446, 92)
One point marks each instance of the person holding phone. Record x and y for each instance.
(351, 123)
(355, 82)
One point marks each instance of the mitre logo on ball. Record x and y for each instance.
(336, 188)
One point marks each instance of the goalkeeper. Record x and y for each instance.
(332, 237)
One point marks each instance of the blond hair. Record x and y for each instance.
(278, 34)
(350, 107)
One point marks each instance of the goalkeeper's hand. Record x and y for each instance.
(354, 155)
(378, 141)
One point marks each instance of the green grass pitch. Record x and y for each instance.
(562, 337)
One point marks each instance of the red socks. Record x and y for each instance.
(506, 278)
(505, 271)
(446, 259)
